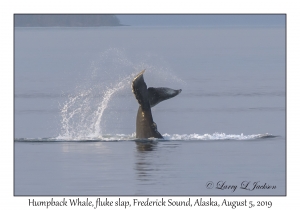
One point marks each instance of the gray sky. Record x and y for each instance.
(203, 20)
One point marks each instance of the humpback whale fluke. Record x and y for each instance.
(147, 98)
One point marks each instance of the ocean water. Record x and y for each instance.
(74, 114)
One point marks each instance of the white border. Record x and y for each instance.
(8, 8)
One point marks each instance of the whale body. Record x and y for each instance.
(147, 98)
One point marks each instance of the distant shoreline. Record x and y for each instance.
(65, 20)
(70, 26)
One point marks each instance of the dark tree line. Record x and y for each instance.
(68, 20)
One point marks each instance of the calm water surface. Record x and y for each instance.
(162, 168)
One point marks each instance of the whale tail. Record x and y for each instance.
(139, 89)
(157, 95)
(147, 98)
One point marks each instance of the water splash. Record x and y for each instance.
(80, 120)
(167, 137)
(106, 98)
(216, 136)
